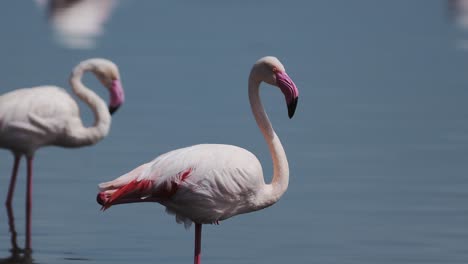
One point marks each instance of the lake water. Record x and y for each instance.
(378, 149)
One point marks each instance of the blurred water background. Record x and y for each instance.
(378, 149)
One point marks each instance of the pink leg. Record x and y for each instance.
(29, 203)
(9, 200)
(198, 228)
(11, 223)
(11, 189)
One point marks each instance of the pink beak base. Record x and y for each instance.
(117, 96)
(289, 89)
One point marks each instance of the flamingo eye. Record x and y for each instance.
(275, 69)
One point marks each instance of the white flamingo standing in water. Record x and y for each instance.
(47, 115)
(208, 183)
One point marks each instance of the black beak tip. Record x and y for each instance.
(113, 109)
(292, 107)
(99, 199)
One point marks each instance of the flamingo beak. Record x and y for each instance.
(292, 107)
(101, 198)
(117, 96)
(289, 89)
(113, 109)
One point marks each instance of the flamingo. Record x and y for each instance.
(47, 115)
(209, 183)
(78, 23)
(458, 10)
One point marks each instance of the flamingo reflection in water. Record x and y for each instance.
(17, 254)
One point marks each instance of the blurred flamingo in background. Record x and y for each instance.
(459, 11)
(208, 183)
(77, 23)
(47, 115)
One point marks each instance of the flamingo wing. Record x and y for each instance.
(31, 117)
(40, 107)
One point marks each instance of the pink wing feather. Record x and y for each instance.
(139, 185)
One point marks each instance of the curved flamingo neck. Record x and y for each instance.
(81, 135)
(273, 191)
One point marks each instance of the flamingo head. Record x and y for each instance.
(272, 71)
(108, 74)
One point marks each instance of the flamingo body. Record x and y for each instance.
(29, 119)
(194, 189)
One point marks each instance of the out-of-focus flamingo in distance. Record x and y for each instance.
(47, 115)
(459, 11)
(77, 23)
(208, 183)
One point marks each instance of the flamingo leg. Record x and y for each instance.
(29, 203)
(197, 258)
(11, 188)
(11, 224)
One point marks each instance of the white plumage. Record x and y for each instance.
(29, 119)
(211, 192)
